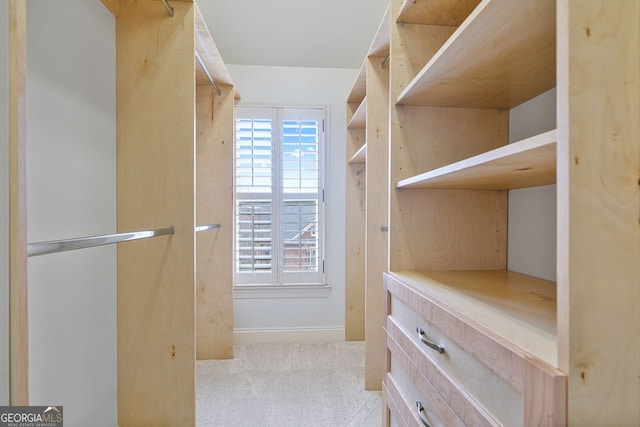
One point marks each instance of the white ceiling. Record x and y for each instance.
(293, 33)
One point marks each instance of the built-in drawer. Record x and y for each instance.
(417, 403)
(482, 378)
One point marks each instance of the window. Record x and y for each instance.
(279, 196)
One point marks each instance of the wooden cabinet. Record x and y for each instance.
(482, 373)
(520, 350)
(367, 204)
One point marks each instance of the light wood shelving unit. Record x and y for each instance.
(360, 156)
(359, 119)
(500, 55)
(355, 215)
(526, 163)
(367, 204)
(174, 295)
(167, 172)
(456, 69)
(214, 199)
(16, 133)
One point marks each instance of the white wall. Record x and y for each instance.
(4, 203)
(294, 33)
(304, 86)
(532, 211)
(71, 193)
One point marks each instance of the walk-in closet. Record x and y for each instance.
(320, 214)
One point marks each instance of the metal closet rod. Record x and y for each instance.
(206, 227)
(53, 246)
(386, 60)
(168, 7)
(209, 76)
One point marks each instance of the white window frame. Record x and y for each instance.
(279, 283)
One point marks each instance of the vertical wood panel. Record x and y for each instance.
(214, 195)
(18, 307)
(544, 397)
(436, 229)
(355, 239)
(599, 209)
(155, 172)
(377, 254)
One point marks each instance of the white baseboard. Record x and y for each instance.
(276, 336)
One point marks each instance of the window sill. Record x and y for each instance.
(281, 291)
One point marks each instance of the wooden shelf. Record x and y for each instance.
(519, 308)
(502, 55)
(380, 44)
(359, 119)
(360, 156)
(210, 55)
(527, 163)
(436, 12)
(359, 88)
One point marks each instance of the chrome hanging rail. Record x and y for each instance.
(168, 7)
(53, 246)
(386, 60)
(206, 227)
(209, 76)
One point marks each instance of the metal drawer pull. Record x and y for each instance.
(422, 414)
(436, 347)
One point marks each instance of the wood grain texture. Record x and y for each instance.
(448, 230)
(453, 229)
(377, 217)
(412, 46)
(155, 188)
(380, 44)
(493, 392)
(208, 51)
(391, 410)
(599, 209)
(439, 12)
(544, 397)
(355, 205)
(359, 88)
(501, 352)
(360, 156)
(359, 118)
(527, 163)
(461, 402)
(18, 295)
(518, 308)
(426, 138)
(413, 386)
(214, 204)
(502, 55)
(398, 406)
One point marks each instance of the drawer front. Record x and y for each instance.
(418, 400)
(508, 385)
(503, 401)
(390, 394)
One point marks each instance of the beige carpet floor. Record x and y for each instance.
(287, 385)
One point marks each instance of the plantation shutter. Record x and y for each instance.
(254, 196)
(279, 196)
